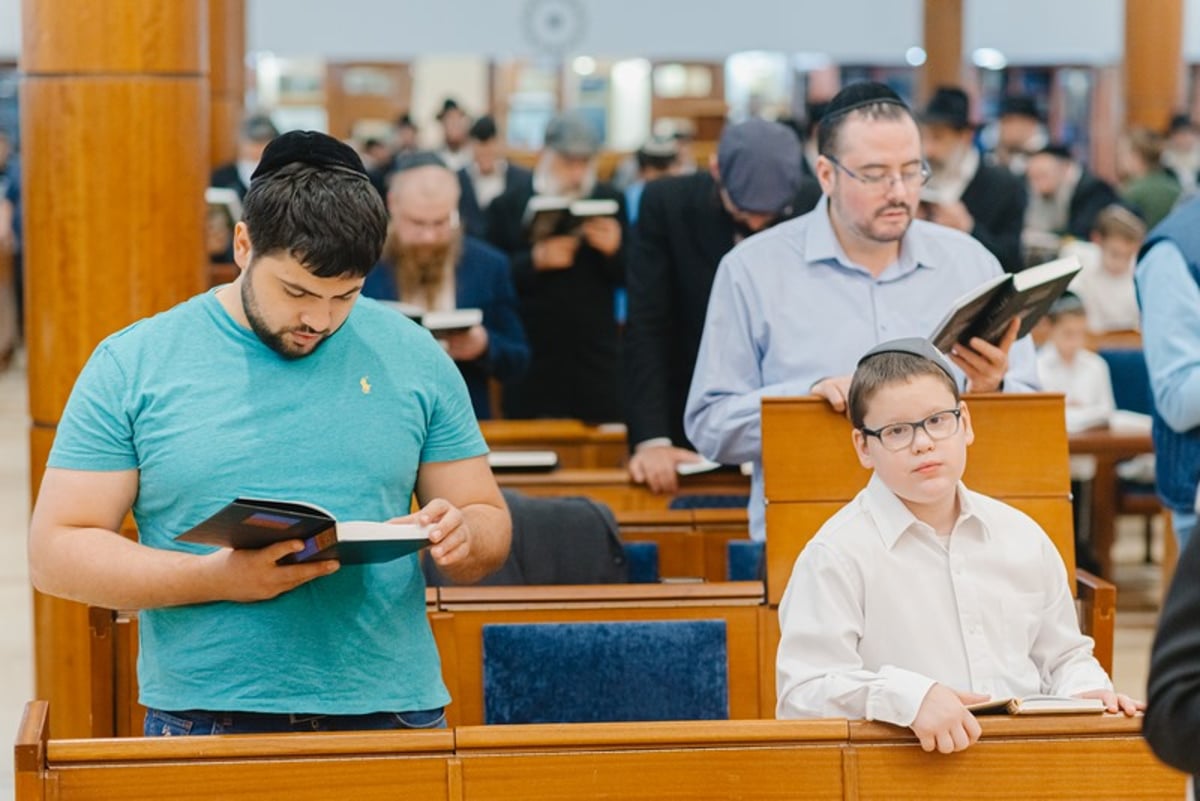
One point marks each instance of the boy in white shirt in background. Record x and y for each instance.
(1066, 365)
(1105, 284)
(919, 596)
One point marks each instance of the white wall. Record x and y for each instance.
(10, 28)
(1026, 31)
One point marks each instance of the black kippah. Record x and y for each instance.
(858, 95)
(308, 147)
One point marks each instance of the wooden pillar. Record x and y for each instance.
(1153, 61)
(114, 133)
(227, 76)
(943, 43)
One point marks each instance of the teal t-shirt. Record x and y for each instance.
(208, 413)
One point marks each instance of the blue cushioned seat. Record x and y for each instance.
(605, 671)
(642, 560)
(1130, 379)
(710, 502)
(744, 560)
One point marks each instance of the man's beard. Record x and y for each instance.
(423, 270)
(275, 340)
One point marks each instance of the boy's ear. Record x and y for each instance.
(968, 431)
(861, 450)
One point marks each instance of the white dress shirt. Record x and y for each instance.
(877, 611)
(1086, 382)
(1110, 300)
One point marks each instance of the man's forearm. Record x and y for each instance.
(102, 568)
(490, 539)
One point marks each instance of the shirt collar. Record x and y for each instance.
(821, 245)
(892, 518)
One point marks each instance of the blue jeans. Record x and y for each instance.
(195, 722)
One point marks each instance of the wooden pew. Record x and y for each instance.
(370, 766)
(1019, 456)
(691, 542)
(577, 444)
(464, 611)
(1070, 757)
(753, 759)
(113, 643)
(614, 487)
(1053, 757)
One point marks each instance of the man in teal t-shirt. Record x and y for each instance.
(282, 385)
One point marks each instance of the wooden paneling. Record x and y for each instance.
(943, 43)
(132, 36)
(226, 77)
(1153, 61)
(111, 238)
(614, 487)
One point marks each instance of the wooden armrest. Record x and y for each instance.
(1098, 602)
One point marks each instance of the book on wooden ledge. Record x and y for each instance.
(440, 323)
(546, 215)
(987, 310)
(1039, 705)
(523, 461)
(257, 523)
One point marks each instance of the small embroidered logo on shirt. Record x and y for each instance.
(366, 385)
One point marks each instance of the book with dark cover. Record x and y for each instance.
(546, 216)
(257, 523)
(440, 323)
(986, 311)
(1039, 705)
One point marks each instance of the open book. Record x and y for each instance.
(546, 216)
(1039, 705)
(441, 323)
(257, 523)
(986, 311)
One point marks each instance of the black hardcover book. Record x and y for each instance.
(987, 310)
(257, 523)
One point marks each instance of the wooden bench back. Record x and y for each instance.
(811, 471)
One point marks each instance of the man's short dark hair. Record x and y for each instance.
(866, 100)
(885, 369)
(484, 129)
(332, 221)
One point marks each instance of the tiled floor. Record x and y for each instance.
(1137, 598)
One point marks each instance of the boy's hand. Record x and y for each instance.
(943, 722)
(835, 390)
(984, 363)
(1115, 702)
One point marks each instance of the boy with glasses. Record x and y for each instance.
(920, 597)
(793, 307)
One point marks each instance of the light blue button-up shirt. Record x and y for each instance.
(789, 308)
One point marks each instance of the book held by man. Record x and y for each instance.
(987, 310)
(257, 523)
(546, 215)
(1039, 705)
(441, 323)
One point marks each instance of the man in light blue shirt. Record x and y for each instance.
(1168, 287)
(282, 385)
(793, 309)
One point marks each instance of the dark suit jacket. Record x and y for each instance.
(569, 317)
(1172, 724)
(227, 176)
(1091, 195)
(474, 218)
(482, 281)
(996, 199)
(683, 232)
